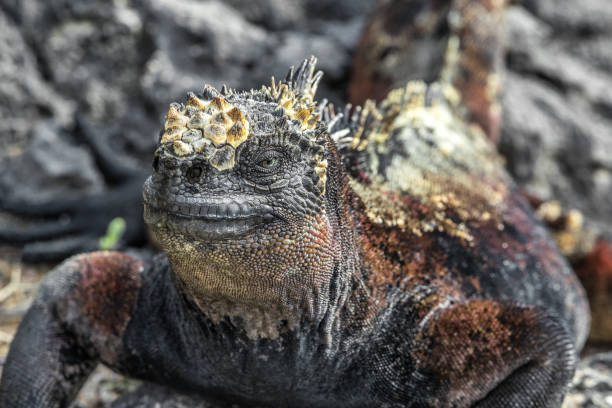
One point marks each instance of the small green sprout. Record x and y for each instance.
(115, 230)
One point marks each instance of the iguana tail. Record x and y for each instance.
(474, 59)
(454, 41)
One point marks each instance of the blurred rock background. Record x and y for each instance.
(115, 66)
(557, 109)
(109, 69)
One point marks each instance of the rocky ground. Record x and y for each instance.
(109, 69)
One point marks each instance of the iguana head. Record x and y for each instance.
(237, 198)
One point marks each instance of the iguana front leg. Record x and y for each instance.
(479, 354)
(77, 319)
(488, 354)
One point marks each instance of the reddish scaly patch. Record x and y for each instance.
(107, 290)
(397, 258)
(595, 272)
(486, 340)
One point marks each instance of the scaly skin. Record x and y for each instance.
(377, 258)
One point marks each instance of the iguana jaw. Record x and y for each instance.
(206, 219)
(204, 228)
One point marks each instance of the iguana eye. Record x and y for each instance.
(268, 163)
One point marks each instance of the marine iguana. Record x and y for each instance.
(379, 256)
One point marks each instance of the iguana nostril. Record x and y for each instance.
(156, 163)
(194, 172)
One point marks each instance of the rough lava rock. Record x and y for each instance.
(557, 107)
(592, 383)
(50, 167)
(25, 97)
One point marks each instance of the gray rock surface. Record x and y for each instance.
(149, 395)
(49, 160)
(592, 384)
(25, 97)
(557, 108)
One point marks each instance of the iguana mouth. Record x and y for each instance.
(205, 218)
